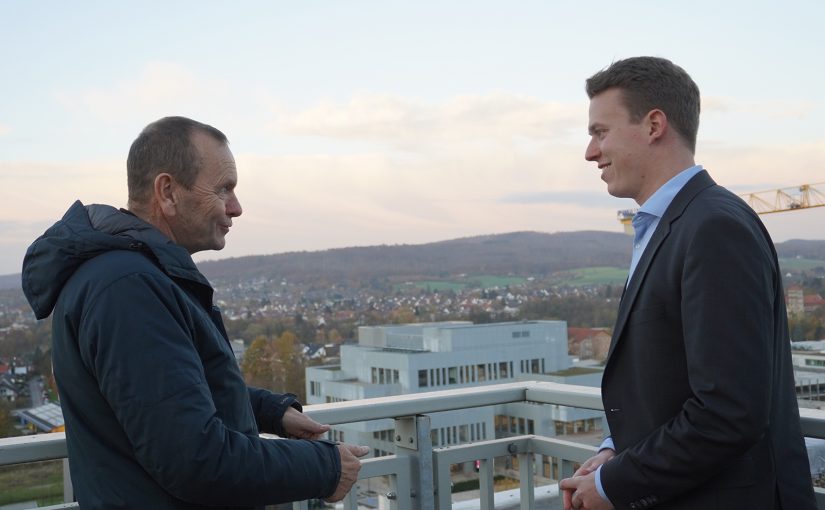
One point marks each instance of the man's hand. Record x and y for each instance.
(576, 489)
(298, 425)
(580, 493)
(595, 461)
(350, 466)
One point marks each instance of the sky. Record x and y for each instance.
(359, 123)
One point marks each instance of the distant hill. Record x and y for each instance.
(521, 253)
(803, 249)
(10, 281)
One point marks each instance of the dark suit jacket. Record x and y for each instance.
(698, 388)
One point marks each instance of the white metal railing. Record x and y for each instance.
(419, 474)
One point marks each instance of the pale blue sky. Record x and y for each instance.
(379, 122)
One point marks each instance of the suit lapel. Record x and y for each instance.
(676, 208)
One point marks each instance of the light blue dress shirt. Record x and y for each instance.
(652, 210)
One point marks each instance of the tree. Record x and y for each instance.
(7, 428)
(334, 336)
(288, 365)
(257, 366)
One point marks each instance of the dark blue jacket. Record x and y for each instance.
(157, 411)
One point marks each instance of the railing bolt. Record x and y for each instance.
(391, 495)
(411, 440)
(398, 438)
(412, 494)
(512, 448)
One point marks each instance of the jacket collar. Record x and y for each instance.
(85, 232)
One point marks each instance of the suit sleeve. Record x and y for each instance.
(139, 343)
(728, 283)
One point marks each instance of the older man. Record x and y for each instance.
(157, 412)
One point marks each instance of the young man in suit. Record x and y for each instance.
(698, 388)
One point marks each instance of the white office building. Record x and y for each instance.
(401, 359)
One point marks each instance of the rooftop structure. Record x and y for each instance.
(395, 360)
(45, 418)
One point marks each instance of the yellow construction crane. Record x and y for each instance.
(793, 198)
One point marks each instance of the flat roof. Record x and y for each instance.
(568, 372)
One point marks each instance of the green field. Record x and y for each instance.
(574, 277)
(437, 285)
(471, 282)
(794, 264)
(591, 276)
(37, 481)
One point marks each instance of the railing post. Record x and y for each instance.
(528, 485)
(486, 484)
(412, 439)
(68, 489)
(350, 501)
(565, 468)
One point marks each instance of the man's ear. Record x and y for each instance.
(166, 196)
(657, 124)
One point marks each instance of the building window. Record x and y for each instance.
(516, 334)
(525, 334)
(453, 375)
(481, 372)
(314, 388)
(502, 370)
(395, 376)
(374, 378)
(534, 366)
(422, 379)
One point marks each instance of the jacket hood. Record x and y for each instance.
(85, 232)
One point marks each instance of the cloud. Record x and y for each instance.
(596, 198)
(159, 88)
(409, 172)
(43, 191)
(4, 129)
(775, 109)
(753, 168)
(405, 122)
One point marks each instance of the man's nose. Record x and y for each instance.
(591, 153)
(233, 207)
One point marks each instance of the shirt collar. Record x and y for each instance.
(659, 201)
